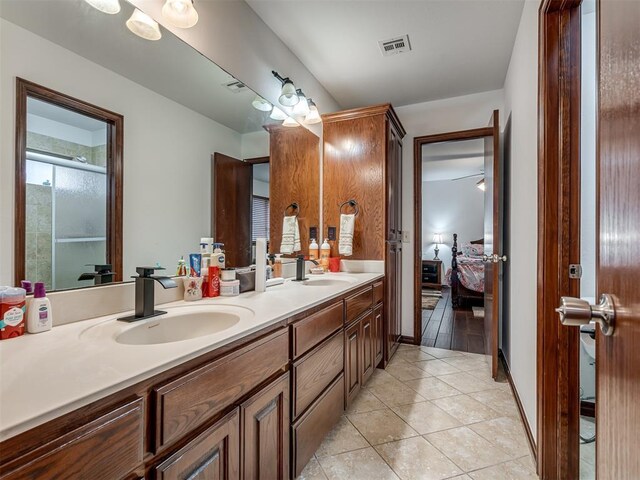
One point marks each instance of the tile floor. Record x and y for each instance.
(433, 414)
(587, 450)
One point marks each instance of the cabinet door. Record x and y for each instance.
(214, 455)
(265, 427)
(367, 348)
(391, 298)
(378, 334)
(352, 361)
(398, 287)
(391, 183)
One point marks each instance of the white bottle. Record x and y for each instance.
(314, 250)
(218, 257)
(325, 253)
(39, 316)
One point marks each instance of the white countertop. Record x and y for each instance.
(46, 375)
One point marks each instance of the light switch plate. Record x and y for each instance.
(405, 236)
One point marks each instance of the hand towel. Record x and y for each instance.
(347, 226)
(290, 235)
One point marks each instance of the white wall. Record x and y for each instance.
(254, 144)
(520, 93)
(448, 115)
(450, 207)
(167, 150)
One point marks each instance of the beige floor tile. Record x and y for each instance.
(466, 362)
(440, 352)
(425, 417)
(363, 464)
(313, 471)
(406, 371)
(466, 409)
(506, 432)
(413, 355)
(366, 402)
(343, 438)
(394, 392)
(432, 388)
(505, 471)
(528, 462)
(467, 383)
(416, 459)
(482, 372)
(436, 367)
(498, 399)
(380, 377)
(381, 426)
(460, 477)
(467, 449)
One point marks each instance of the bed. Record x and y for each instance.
(466, 275)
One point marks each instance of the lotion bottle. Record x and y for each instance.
(39, 316)
(325, 252)
(313, 250)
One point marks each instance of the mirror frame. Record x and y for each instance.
(115, 147)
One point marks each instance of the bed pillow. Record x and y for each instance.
(473, 250)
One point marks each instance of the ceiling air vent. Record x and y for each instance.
(395, 45)
(235, 86)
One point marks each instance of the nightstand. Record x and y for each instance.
(432, 274)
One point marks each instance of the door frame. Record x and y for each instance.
(558, 236)
(418, 142)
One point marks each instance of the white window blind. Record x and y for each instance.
(259, 218)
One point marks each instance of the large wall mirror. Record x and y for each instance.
(115, 140)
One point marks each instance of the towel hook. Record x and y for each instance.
(294, 206)
(352, 203)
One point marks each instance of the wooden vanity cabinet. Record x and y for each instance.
(352, 361)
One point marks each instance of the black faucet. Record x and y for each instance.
(301, 268)
(145, 304)
(102, 274)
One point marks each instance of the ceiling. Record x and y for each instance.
(169, 66)
(458, 46)
(452, 160)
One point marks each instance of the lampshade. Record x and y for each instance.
(105, 6)
(290, 122)
(277, 114)
(313, 116)
(180, 13)
(261, 104)
(437, 238)
(144, 26)
(302, 107)
(481, 185)
(288, 95)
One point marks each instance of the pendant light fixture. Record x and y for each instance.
(288, 94)
(313, 116)
(261, 104)
(180, 13)
(277, 114)
(302, 107)
(144, 26)
(105, 6)
(290, 122)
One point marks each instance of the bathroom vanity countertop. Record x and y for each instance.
(47, 375)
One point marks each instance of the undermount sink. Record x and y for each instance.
(322, 281)
(178, 324)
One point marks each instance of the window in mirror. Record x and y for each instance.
(69, 177)
(260, 202)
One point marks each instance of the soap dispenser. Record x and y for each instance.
(325, 253)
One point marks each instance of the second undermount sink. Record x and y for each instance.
(327, 281)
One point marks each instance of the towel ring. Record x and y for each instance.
(294, 206)
(352, 203)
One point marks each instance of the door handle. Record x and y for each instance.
(576, 312)
(495, 258)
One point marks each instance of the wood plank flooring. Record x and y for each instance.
(452, 329)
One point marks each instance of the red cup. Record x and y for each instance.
(334, 264)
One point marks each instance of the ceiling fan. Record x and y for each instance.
(480, 183)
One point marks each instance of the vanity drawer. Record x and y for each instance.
(110, 446)
(313, 373)
(356, 304)
(309, 431)
(191, 400)
(315, 328)
(378, 292)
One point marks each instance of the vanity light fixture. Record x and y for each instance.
(105, 6)
(313, 116)
(180, 13)
(144, 26)
(481, 185)
(290, 122)
(302, 107)
(261, 104)
(288, 94)
(277, 114)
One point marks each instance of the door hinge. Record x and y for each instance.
(575, 270)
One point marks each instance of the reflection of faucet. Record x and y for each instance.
(145, 303)
(301, 267)
(100, 276)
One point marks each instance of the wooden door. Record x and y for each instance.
(265, 427)
(367, 349)
(214, 455)
(618, 267)
(492, 240)
(352, 361)
(231, 208)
